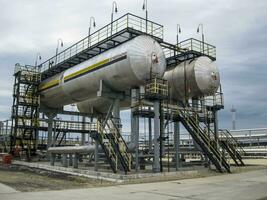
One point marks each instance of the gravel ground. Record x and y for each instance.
(25, 180)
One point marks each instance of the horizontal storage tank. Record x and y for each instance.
(202, 76)
(100, 105)
(124, 67)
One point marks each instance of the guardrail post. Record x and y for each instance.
(127, 21)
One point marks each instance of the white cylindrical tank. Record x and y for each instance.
(202, 76)
(121, 68)
(100, 105)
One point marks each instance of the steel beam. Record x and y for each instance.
(156, 162)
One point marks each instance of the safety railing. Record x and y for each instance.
(198, 46)
(5, 127)
(157, 86)
(26, 68)
(107, 145)
(70, 125)
(127, 21)
(228, 137)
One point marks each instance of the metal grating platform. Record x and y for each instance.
(119, 31)
(186, 50)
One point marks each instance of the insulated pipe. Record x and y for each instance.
(71, 149)
(81, 149)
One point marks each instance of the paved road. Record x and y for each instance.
(5, 190)
(246, 186)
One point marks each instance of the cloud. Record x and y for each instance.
(236, 27)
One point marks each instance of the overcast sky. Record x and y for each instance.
(238, 28)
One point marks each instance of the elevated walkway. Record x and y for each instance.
(119, 31)
(188, 49)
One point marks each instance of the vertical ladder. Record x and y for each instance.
(231, 145)
(190, 121)
(25, 109)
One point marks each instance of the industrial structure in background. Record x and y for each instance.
(127, 64)
(233, 111)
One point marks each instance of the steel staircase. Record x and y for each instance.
(113, 144)
(230, 144)
(25, 109)
(190, 121)
(60, 136)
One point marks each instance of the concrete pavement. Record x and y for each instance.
(244, 186)
(4, 189)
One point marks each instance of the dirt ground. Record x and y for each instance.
(25, 180)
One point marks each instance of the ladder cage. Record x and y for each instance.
(25, 109)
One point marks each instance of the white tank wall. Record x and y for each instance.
(143, 55)
(202, 76)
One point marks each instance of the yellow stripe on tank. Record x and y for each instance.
(49, 84)
(87, 69)
(56, 82)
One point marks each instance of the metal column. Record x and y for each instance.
(76, 160)
(65, 160)
(156, 164)
(49, 132)
(83, 134)
(150, 135)
(70, 160)
(50, 116)
(136, 121)
(96, 155)
(134, 97)
(116, 109)
(135, 127)
(216, 129)
(177, 144)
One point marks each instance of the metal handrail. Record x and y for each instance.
(193, 44)
(125, 22)
(225, 134)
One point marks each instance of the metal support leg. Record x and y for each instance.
(216, 130)
(195, 108)
(134, 97)
(70, 160)
(136, 120)
(135, 126)
(52, 159)
(83, 128)
(149, 135)
(96, 155)
(50, 132)
(177, 145)
(156, 164)
(116, 109)
(76, 161)
(54, 134)
(64, 160)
